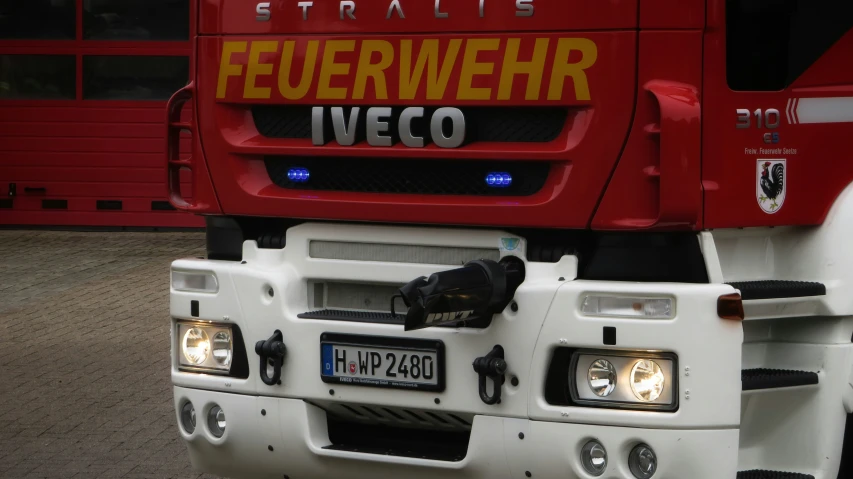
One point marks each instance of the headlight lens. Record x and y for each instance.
(196, 346)
(602, 377)
(222, 348)
(648, 380)
(198, 352)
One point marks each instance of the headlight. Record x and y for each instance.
(205, 347)
(631, 380)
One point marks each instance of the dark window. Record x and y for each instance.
(160, 20)
(769, 44)
(37, 19)
(38, 77)
(133, 77)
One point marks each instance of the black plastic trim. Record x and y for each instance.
(560, 387)
(763, 378)
(108, 204)
(54, 204)
(162, 206)
(771, 289)
(354, 316)
(763, 474)
(437, 445)
(390, 343)
(6, 203)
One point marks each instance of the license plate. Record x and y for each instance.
(384, 362)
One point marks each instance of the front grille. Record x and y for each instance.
(495, 124)
(399, 253)
(407, 176)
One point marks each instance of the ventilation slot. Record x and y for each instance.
(109, 205)
(162, 206)
(399, 253)
(385, 440)
(6, 203)
(54, 204)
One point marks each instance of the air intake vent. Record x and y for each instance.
(407, 176)
(399, 417)
(493, 124)
(399, 253)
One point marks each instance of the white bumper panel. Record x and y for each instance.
(288, 441)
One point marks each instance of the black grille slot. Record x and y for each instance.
(406, 176)
(497, 124)
(450, 446)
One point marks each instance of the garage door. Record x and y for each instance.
(83, 86)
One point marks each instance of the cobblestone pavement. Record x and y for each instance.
(84, 355)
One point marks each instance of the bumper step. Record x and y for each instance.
(355, 316)
(750, 290)
(762, 378)
(761, 474)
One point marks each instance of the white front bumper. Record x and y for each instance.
(698, 440)
(287, 440)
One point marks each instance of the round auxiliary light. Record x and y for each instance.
(647, 380)
(216, 421)
(298, 175)
(188, 417)
(196, 346)
(594, 458)
(498, 180)
(642, 462)
(222, 348)
(602, 377)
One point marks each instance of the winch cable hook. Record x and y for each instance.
(492, 365)
(272, 349)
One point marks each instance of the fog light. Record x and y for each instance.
(216, 421)
(594, 458)
(642, 462)
(602, 377)
(188, 417)
(196, 346)
(647, 380)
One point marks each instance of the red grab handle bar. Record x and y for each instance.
(174, 163)
(679, 133)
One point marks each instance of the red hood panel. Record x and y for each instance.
(591, 74)
(413, 16)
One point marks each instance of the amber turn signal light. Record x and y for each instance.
(730, 306)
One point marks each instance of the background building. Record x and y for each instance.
(83, 87)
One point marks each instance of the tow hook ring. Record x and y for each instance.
(272, 349)
(492, 366)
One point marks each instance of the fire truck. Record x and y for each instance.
(516, 239)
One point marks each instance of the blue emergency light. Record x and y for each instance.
(498, 180)
(298, 175)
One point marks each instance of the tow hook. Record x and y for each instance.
(271, 351)
(492, 366)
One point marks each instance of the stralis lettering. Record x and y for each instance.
(429, 69)
(347, 8)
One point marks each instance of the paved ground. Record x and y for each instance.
(84, 355)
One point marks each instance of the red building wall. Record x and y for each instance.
(83, 88)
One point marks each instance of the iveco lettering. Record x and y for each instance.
(504, 239)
